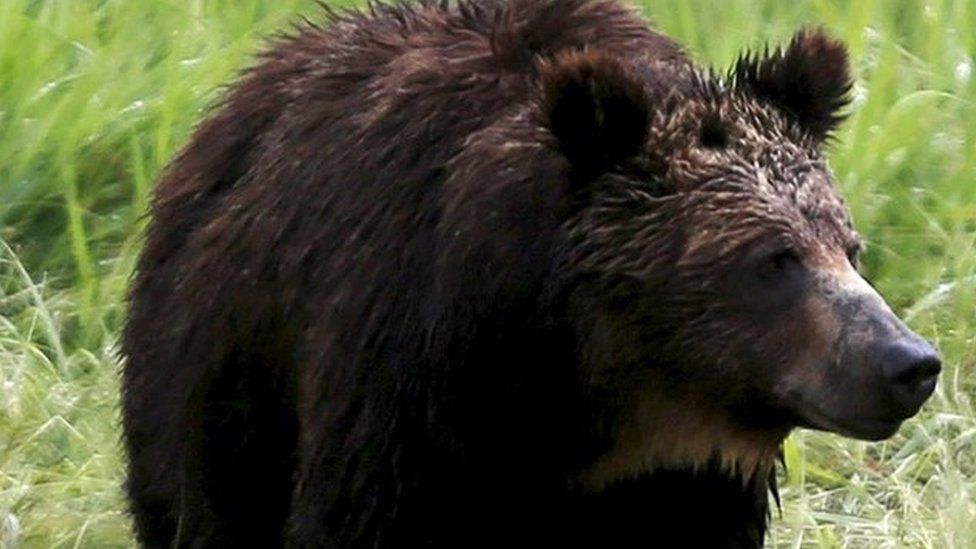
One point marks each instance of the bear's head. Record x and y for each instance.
(717, 299)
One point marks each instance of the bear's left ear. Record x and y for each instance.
(596, 107)
(810, 80)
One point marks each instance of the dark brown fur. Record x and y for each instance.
(473, 275)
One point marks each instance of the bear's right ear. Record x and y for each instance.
(597, 109)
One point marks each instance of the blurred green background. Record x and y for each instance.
(96, 95)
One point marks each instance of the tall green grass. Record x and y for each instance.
(96, 95)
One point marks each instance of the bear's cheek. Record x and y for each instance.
(808, 341)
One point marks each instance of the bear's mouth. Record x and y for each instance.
(863, 428)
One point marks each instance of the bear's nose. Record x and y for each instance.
(911, 367)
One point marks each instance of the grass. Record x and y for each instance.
(96, 95)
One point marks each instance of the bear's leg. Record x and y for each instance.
(164, 480)
(210, 461)
(326, 510)
(250, 436)
(361, 482)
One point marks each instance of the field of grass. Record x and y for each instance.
(96, 95)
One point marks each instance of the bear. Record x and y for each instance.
(501, 273)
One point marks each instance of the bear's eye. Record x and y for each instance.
(785, 259)
(780, 263)
(854, 256)
(713, 134)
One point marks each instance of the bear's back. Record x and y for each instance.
(326, 162)
(397, 78)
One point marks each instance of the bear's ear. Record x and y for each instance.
(597, 109)
(810, 80)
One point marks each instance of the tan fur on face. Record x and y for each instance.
(663, 434)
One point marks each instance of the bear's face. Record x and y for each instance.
(718, 299)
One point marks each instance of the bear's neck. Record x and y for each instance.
(673, 469)
(695, 507)
(654, 432)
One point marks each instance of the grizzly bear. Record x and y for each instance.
(501, 274)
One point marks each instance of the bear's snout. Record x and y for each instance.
(869, 371)
(892, 369)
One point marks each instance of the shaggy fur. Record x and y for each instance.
(472, 275)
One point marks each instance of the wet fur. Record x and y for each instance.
(377, 305)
